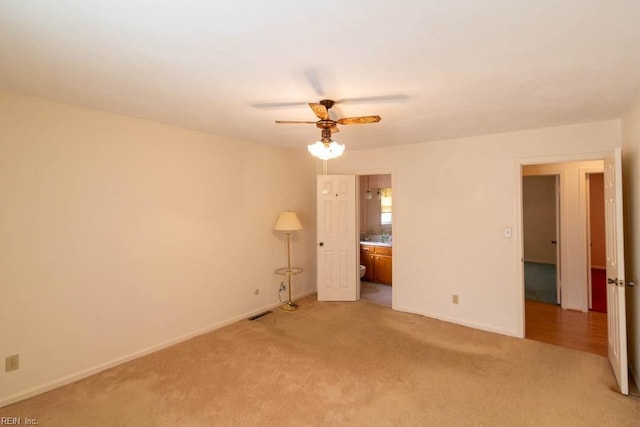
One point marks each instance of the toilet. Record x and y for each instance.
(363, 270)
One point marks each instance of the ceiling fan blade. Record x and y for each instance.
(267, 105)
(373, 99)
(358, 120)
(366, 99)
(312, 75)
(320, 111)
(288, 122)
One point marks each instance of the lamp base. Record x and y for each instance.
(290, 306)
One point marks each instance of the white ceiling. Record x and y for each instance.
(435, 69)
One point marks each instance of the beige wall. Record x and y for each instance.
(631, 182)
(452, 201)
(120, 235)
(539, 218)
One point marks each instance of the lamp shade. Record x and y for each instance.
(288, 221)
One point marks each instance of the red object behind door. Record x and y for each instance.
(599, 290)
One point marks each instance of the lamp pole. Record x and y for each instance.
(290, 303)
(288, 222)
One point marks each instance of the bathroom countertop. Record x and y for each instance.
(387, 244)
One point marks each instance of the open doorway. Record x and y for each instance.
(376, 238)
(596, 238)
(541, 237)
(556, 202)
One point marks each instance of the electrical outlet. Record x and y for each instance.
(455, 299)
(282, 287)
(11, 363)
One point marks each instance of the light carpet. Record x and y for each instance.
(358, 364)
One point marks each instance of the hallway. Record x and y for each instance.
(567, 328)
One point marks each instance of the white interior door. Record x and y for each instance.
(337, 238)
(616, 313)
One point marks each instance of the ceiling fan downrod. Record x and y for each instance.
(326, 136)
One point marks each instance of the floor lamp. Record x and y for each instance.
(288, 221)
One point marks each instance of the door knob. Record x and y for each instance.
(619, 283)
(321, 244)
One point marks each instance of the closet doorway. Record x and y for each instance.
(541, 237)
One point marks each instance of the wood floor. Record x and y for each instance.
(567, 328)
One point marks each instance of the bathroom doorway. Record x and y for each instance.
(375, 225)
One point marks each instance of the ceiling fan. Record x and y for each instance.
(321, 110)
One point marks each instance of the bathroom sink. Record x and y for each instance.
(387, 244)
(378, 240)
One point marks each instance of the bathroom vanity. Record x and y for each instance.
(376, 257)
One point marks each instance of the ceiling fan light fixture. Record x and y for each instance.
(326, 150)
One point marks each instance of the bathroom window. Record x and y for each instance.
(385, 206)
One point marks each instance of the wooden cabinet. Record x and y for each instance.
(377, 260)
(368, 260)
(383, 269)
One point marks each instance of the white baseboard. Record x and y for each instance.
(537, 261)
(34, 391)
(507, 332)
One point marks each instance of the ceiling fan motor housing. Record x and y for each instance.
(328, 103)
(325, 124)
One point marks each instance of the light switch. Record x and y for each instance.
(507, 232)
